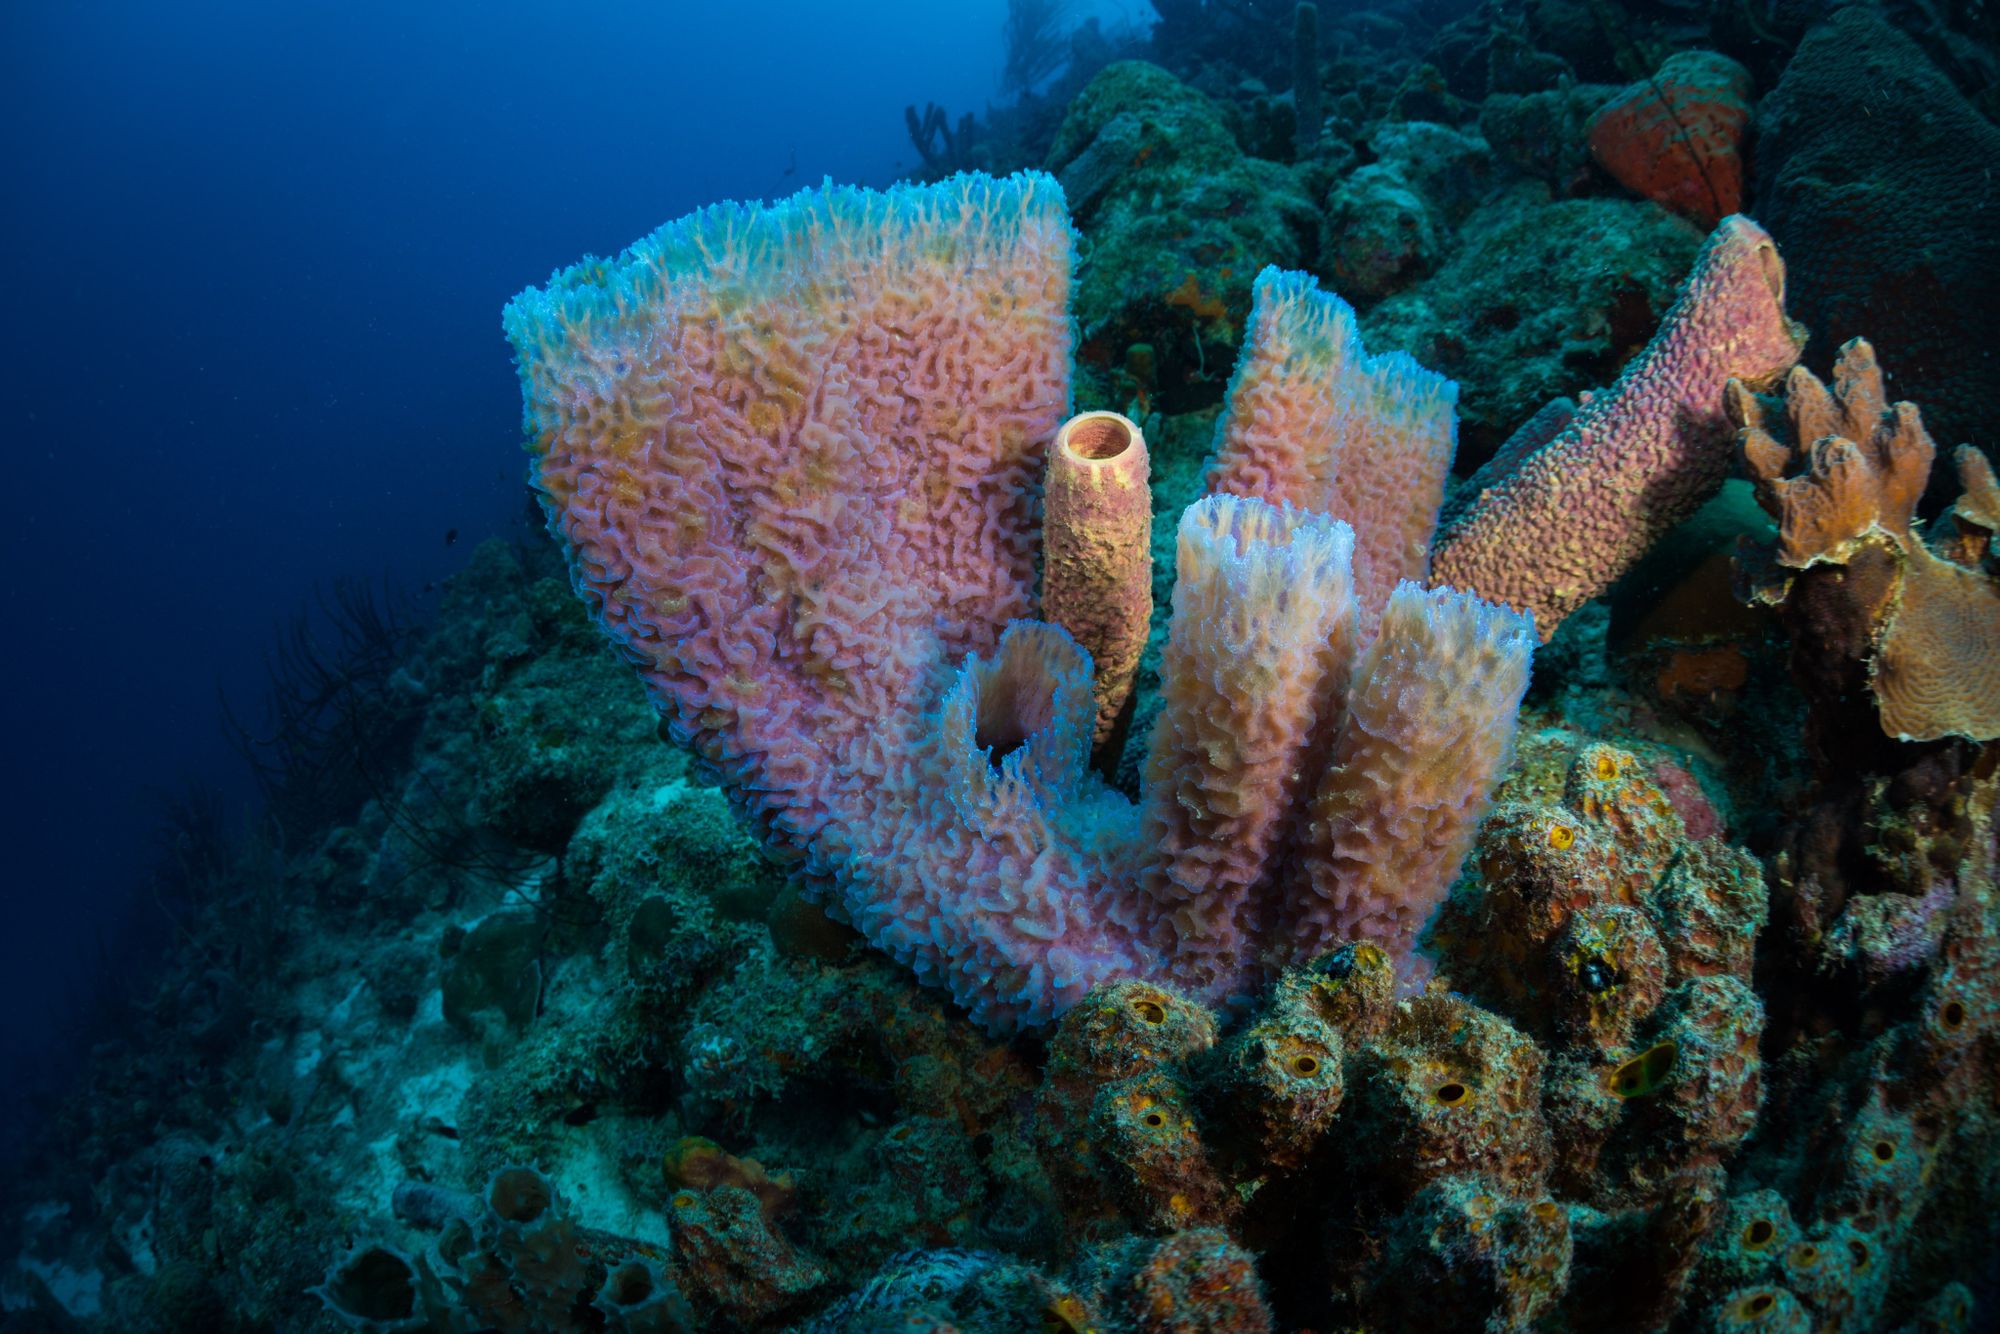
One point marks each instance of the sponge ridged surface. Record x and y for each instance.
(794, 451)
(1429, 728)
(1639, 457)
(1314, 421)
(1256, 663)
(1097, 550)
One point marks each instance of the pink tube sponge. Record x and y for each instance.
(1429, 729)
(1256, 664)
(991, 860)
(794, 452)
(1550, 530)
(1097, 551)
(1315, 421)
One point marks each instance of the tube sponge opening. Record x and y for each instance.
(1016, 725)
(1097, 552)
(372, 1288)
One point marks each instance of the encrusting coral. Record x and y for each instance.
(1905, 168)
(1842, 472)
(794, 453)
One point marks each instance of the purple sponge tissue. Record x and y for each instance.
(795, 454)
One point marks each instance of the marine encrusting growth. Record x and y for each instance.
(795, 452)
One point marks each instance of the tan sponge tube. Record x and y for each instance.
(1097, 552)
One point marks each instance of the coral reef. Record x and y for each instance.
(1852, 567)
(1183, 221)
(1544, 135)
(1571, 1125)
(1248, 944)
(1903, 167)
(1609, 268)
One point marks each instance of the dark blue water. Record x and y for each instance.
(254, 262)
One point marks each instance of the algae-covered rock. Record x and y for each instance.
(1542, 134)
(1540, 299)
(1380, 235)
(552, 738)
(496, 966)
(660, 831)
(1451, 168)
(1388, 223)
(1176, 220)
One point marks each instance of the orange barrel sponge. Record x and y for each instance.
(1548, 531)
(1097, 553)
(1677, 138)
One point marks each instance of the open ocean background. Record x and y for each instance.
(255, 257)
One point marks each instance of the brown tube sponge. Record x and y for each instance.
(1097, 558)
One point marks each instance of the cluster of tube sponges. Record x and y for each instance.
(796, 455)
(1879, 1157)
(804, 457)
(1610, 1071)
(1425, 1111)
